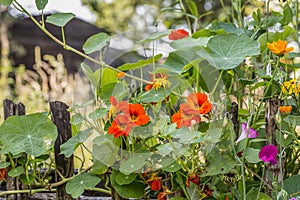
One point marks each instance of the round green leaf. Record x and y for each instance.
(5, 2)
(252, 155)
(123, 179)
(16, 171)
(4, 164)
(95, 43)
(227, 51)
(76, 186)
(70, 146)
(33, 134)
(131, 165)
(41, 4)
(133, 190)
(155, 36)
(60, 19)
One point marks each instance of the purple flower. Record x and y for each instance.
(252, 133)
(268, 154)
(293, 198)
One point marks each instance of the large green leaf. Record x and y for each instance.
(219, 163)
(41, 4)
(131, 190)
(70, 146)
(76, 186)
(95, 43)
(33, 134)
(133, 164)
(5, 2)
(227, 51)
(105, 150)
(123, 179)
(140, 63)
(292, 185)
(227, 27)
(60, 19)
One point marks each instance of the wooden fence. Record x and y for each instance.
(65, 166)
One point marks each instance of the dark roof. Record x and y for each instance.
(24, 32)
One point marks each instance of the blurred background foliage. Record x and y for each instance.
(118, 16)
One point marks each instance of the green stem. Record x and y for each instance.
(30, 191)
(69, 48)
(217, 83)
(63, 36)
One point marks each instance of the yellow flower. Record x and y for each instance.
(285, 109)
(161, 82)
(279, 47)
(291, 87)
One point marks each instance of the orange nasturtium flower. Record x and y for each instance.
(279, 47)
(182, 119)
(178, 34)
(196, 103)
(285, 109)
(120, 126)
(117, 107)
(138, 115)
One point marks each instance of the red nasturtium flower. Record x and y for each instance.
(120, 126)
(194, 178)
(178, 34)
(196, 103)
(2, 174)
(155, 182)
(127, 117)
(279, 47)
(116, 107)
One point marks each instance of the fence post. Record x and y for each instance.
(10, 109)
(61, 118)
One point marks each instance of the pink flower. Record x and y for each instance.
(251, 133)
(268, 154)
